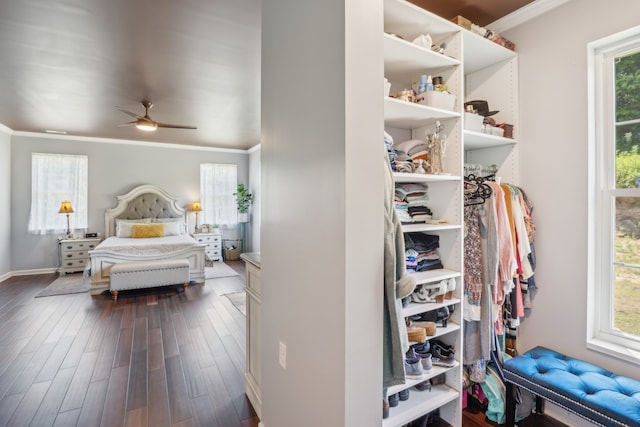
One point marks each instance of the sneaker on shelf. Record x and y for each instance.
(426, 360)
(413, 365)
(404, 394)
(444, 346)
(422, 347)
(424, 385)
(439, 359)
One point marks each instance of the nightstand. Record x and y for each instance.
(214, 245)
(74, 254)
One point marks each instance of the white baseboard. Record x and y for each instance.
(27, 273)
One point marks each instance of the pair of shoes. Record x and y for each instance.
(403, 394)
(422, 347)
(413, 365)
(422, 351)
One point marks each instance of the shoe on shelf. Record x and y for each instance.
(444, 348)
(413, 365)
(451, 287)
(443, 316)
(393, 400)
(385, 409)
(422, 347)
(424, 385)
(404, 394)
(426, 360)
(439, 359)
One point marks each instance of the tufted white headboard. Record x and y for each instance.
(144, 201)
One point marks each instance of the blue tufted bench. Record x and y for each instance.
(605, 398)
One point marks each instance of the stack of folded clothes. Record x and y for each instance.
(412, 150)
(411, 203)
(421, 251)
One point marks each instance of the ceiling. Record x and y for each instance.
(66, 65)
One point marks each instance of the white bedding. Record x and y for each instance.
(146, 247)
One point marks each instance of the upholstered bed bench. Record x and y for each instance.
(148, 274)
(593, 393)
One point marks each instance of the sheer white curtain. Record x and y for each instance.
(54, 178)
(218, 182)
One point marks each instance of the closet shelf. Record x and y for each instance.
(417, 308)
(451, 327)
(410, 382)
(412, 228)
(423, 177)
(481, 53)
(477, 140)
(434, 275)
(405, 61)
(408, 115)
(420, 403)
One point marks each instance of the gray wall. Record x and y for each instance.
(322, 160)
(5, 203)
(553, 167)
(115, 167)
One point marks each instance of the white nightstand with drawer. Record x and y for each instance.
(213, 250)
(74, 254)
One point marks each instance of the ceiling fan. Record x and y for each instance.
(146, 123)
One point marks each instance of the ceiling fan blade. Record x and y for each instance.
(165, 125)
(128, 123)
(134, 115)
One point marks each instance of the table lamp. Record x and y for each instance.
(196, 207)
(65, 208)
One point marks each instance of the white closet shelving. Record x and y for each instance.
(473, 68)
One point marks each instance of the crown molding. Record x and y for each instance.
(524, 14)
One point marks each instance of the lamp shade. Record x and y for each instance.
(65, 207)
(196, 207)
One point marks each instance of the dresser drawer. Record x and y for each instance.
(74, 264)
(78, 246)
(209, 239)
(75, 255)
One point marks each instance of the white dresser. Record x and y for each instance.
(74, 254)
(253, 373)
(213, 241)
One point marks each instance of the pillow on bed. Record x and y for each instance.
(125, 229)
(172, 228)
(182, 227)
(143, 231)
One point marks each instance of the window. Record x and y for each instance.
(54, 178)
(217, 184)
(614, 225)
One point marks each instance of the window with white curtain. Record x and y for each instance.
(218, 182)
(614, 197)
(55, 178)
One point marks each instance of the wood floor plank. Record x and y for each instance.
(220, 398)
(8, 406)
(137, 393)
(203, 411)
(67, 419)
(52, 401)
(136, 418)
(29, 404)
(55, 359)
(36, 362)
(123, 349)
(177, 390)
(106, 356)
(78, 346)
(116, 398)
(91, 411)
(158, 404)
(80, 383)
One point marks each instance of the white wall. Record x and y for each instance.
(322, 219)
(253, 228)
(5, 202)
(115, 167)
(553, 154)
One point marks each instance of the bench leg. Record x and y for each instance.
(114, 295)
(539, 405)
(510, 406)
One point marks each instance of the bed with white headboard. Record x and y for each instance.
(130, 221)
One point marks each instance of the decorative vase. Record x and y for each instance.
(243, 217)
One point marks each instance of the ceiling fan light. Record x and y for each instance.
(146, 125)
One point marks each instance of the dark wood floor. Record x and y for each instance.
(154, 358)
(473, 418)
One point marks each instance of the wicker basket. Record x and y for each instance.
(231, 249)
